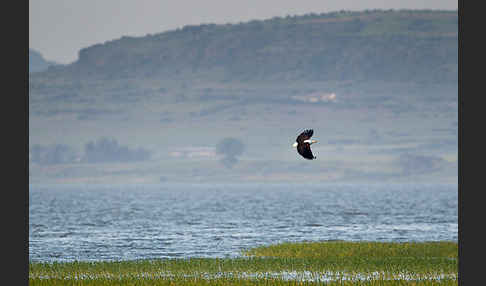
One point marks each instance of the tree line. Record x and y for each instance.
(101, 150)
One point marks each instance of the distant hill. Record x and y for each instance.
(37, 62)
(404, 46)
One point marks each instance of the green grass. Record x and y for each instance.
(229, 281)
(350, 250)
(336, 263)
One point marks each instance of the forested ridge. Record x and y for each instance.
(402, 46)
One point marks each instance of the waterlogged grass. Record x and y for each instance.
(229, 281)
(335, 263)
(347, 249)
(416, 258)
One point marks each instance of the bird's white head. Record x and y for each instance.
(310, 141)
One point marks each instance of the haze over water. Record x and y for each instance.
(125, 222)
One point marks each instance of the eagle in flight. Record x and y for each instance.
(303, 143)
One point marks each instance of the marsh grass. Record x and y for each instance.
(417, 258)
(226, 281)
(362, 249)
(308, 263)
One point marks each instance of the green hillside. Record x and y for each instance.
(395, 46)
(391, 46)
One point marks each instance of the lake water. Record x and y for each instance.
(125, 222)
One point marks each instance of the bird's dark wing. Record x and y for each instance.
(305, 150)
(307, 134)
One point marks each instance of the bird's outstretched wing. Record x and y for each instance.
(304, 148)
(307, 134)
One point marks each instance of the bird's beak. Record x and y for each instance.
(314, 141)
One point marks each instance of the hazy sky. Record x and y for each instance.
(59, 28)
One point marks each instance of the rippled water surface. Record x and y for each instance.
(103, 222)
